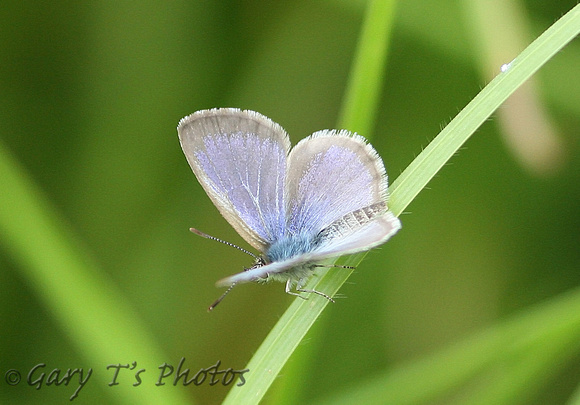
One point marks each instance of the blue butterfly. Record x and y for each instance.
(324, 198)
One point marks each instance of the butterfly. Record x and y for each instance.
(299, 207)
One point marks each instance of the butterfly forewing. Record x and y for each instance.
(331, 174)
(239, 157)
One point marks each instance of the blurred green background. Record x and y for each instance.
(91, 93)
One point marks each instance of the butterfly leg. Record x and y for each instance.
(289, 286)
(300, 289)
(315, 292)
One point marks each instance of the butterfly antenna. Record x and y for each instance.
(212, 306)
(205, 235)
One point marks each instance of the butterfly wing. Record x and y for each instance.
(336, 189)
(239, 158)
(347, 237)
(263, 272)
(331, 174)
(361, 238)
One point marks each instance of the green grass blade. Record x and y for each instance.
(358, 113)
(363, 90)
(297, 320)
(575, 399)
(518, 346)
(441, 149)
(90, 310)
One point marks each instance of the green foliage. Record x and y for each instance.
(468, 304)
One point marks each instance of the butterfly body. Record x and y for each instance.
(290, 246)
(299, 207)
